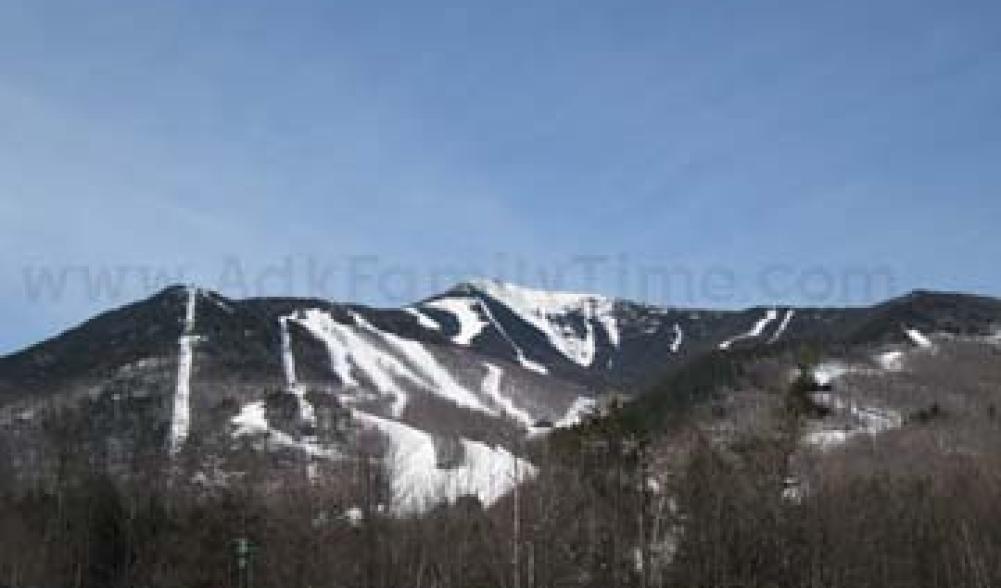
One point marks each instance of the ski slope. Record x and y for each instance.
(422, 319)
(551, 314)
(786, 319)
(306, 413)
(385, 361)
(756, 330)
(465, 312)
(418, 483)
(492, 389)
(180, 421)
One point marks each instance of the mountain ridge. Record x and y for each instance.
(476, 370)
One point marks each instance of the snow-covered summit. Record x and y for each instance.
(537, 300)
(568, 320)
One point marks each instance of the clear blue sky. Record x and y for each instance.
(392, 141)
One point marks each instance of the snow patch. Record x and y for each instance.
(385, 360)
(783, 325)
(610, 324)
(519, 353)
(423, 319)
(492, 388)
(827, 372)
(530, 365)
(464, 311)
(354, 516)
(871, 421)
(434, 377)
(828, 438)
(582, 406)
(417, 483)
(918, 338)
(288, 360)
(549, 313)
(679, 336)
(252, 421)
(349, 350)
(180, 421)
(306, 412)
(756, 330)
(892, 361)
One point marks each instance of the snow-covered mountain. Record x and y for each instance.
(444, 391)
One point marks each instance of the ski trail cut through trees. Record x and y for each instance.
(180, 421)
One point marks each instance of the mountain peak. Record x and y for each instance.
(530, 297)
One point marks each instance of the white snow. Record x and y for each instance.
(871, 421)
(385, 360)
(492, 388)
(581, 407)
(891, 360)
(918, 338)
(288, 360)
(306, 412)
(464, 311)
(354, 516)
(434, 377)
(756, 330)
(868, 420)
(349, 351)
(876, 420)
(190, 308)
(783, 325)
(548, 313)
(827, 372)
(530, 365)
(829, 438)
(252, 421)
(337, 341)
(611, 326)
(519, 353)
(585, 349)
(679, 336)
(423, 319)
(180, 422)
(417, 483)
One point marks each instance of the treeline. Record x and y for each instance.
(610, 508)
(846, 526)
(579, 523)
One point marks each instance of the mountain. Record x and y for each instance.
(445, 392)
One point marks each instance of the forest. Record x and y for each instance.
(613, 505)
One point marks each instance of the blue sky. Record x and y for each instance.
(394, 145)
